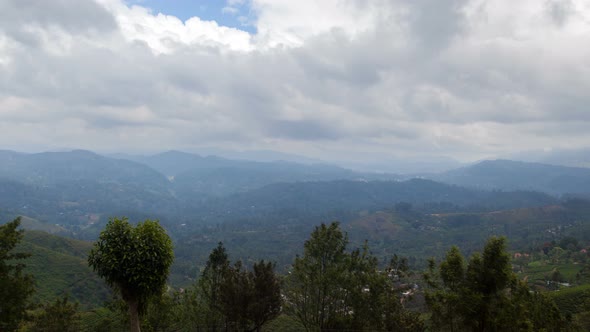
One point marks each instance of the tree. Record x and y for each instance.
(444, 298)
(316, 279)
(235, 298)
(266, 290)
(249, 299)
(330, 288)
(59, 316)
(15, 286)
(135, 261)
(486, 295)
(210, 285)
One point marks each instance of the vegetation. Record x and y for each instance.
(331, 289)
(59, 316)
(134, 261)
(230, 298)
(337, 282)
(15, 285)
(60, 266)
(485, 295)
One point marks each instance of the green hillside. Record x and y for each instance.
(59, 267)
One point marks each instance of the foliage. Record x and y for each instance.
(237, 299)
(265, 304)
(59, 316)
(15, 286)
(250, 299)
(485, 295)
(134, 261)
(330, 288)
(161, 314)
(112, 316)
(210, 284)
(60, 266)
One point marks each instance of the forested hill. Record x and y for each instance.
(515, 175)
(60, 267)
(315, 197)
(58, 168)
(191, 174)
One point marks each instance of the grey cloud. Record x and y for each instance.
(436, 22)
(377, 91)
(302, 130)
(560, 10)
(74, 16)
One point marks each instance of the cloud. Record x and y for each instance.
(332, 79)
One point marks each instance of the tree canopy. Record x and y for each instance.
(135, 261)
(15, 285)
(330, 288)
(485, 295)
(236, 299)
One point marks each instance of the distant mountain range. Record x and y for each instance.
(516, 175)
(80, 189)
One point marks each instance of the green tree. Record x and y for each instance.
(266, 302)
(233, 298)
(330, 288)
(210, 285)
(248, 300)
(135, 261)
(486, 295)
(446, 287)
(15, 285)
(59, 316)
(316, 279)
(162, 314)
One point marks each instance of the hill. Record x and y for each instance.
(315, 197)
(516, 175)
(59, 267)
(192, 174)
(77, 187)
(54, 168)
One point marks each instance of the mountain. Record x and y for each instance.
(516, 175)
(320, 197)
(51, 168)
(563, 157)
(192, 174)
(172, 163)
(77, 187)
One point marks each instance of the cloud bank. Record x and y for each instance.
(331, 79)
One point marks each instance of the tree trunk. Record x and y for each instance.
(134, 315)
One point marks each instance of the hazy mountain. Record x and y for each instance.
(515, 175)
(76, 187)
(51, 168)
(192, 174)
(259, 155)
(563, 157)
(319, 197)
(404, 165)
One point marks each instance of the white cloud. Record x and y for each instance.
(165, 34)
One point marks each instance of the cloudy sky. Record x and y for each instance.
(329, 79)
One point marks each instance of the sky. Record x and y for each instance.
(332, 79)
